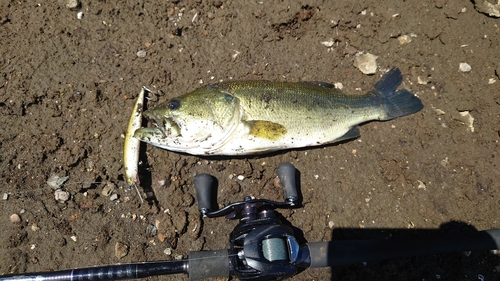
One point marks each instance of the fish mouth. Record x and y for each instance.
(163, 125)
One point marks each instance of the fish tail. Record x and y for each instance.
(395, 103)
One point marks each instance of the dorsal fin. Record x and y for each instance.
(321, 84)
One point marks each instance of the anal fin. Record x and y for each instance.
(351, 134)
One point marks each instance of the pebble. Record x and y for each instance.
(113, 197)
(121, 250)
(79, 15)
(15, 218)
(5, 196)
(328, 43)
(141, 53)
(404, 39)
(241, 177)
(490, 8)
(167, 251)
(464, 67)
(162, 236)
(422, 80)
(151, 230)
(73, 238)
(421, 184)
(108, 189)
(469, 120)
(440, 112)
(61, 195)
(366, 63)
(331, 224)
(73, 4)
(35, 227)
(56, 181)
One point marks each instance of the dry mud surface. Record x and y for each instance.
(67, 87)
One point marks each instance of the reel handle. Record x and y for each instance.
(204, 183)
(286, 173)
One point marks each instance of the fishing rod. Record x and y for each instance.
(262, 248)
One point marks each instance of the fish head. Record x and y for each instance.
(195, 123)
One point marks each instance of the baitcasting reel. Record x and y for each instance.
(259, 245)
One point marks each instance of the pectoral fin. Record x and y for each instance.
(266, 129)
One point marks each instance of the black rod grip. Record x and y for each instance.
(205, 264)
(336, 253)
(286, 174)
(203, 183)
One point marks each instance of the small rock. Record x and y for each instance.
(440, 112)
(241, 177)
(108, 189)
(421, 184)
(5, 196)
(277, 182)
(328, 43)
(15, 218)
(366, 63)
(113, 197)
(464, 67)
(422, 80)
(73, 5)
(61, 195)
(404, 39)
(445, 162)
(34, 227)
(469, 120)
(331, 224)
(488, 7)
(168, 251)
(151, 230)
(121, 250)
(74, 238)
(141, 53)
(56, 181)
(162, 236)
(79, 15)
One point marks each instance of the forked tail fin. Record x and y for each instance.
(396, 103)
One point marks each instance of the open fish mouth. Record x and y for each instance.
(163, 127)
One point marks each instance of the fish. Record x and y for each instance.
(255, 117)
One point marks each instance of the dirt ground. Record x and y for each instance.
(68, 85)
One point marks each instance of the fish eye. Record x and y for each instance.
(174, 104)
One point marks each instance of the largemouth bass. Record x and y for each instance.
(250, 117)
